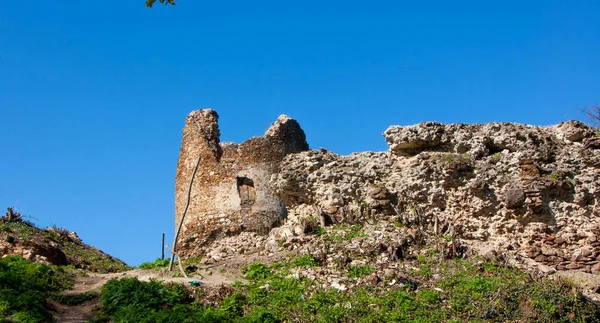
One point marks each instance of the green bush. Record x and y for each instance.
(256, 270)
(131, 300)
(132, 292)
(24, 287)
(158, 263)
(263, 315)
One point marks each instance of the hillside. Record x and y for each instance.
(51, 246)
(433, 281)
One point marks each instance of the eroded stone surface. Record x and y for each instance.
(507, 190)
(529, 190)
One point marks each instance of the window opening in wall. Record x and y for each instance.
(246, 190)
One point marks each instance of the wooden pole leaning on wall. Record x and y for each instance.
(187, 204)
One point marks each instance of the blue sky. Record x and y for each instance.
(93, 94)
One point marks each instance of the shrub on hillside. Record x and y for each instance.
(132, 300)
(11, 215)
(24, 287)
(158, 263)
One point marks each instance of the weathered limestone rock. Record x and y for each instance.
(514, 198)
(482, 139)
(592, 143)
(231, 191)
(421, 136)
(573, 131)
(497, 190)
(531, 190)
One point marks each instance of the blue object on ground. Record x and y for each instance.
(195, 283)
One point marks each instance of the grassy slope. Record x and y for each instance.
(21, 234)
(25, 287)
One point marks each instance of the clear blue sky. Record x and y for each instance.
(93, 94)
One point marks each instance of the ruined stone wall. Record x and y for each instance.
(501, 188)
(231, 191)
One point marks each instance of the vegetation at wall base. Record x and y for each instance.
(463, 291)
(456, 290)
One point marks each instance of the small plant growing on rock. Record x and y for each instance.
(320, 231)
(61, 232)
(25, 236)
(553, 176)
(309, 224)
(360, 271)
(344, 232)
(305, 261)
(451, 157)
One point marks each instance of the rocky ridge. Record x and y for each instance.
(532, 190)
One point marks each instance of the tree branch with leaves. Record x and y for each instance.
(150, 3)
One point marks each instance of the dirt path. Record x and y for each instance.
(74, 314)
(86, 282)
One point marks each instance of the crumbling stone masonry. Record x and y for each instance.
(231, 191)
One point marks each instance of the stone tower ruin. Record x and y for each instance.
(230, 191)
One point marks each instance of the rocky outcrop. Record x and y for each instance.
(231, 192)
(497, 189)
(521, 188)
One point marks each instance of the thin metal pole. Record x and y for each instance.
(162, 255)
